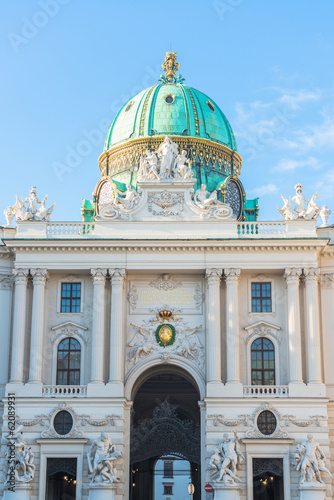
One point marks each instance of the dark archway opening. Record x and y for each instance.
(165, 422)
(61, 479)
(268, 479)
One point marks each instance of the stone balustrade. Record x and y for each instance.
(60, 391)
(266, 391)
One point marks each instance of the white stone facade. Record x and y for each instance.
(202, 271)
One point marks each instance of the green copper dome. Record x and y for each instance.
(170, 109)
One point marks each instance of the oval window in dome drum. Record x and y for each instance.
(233, 197)
(106, 193)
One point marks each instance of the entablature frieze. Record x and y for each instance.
(163, 246)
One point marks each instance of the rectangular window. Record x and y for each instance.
(261, 297)
(70, 297)
(168, 468)
(168, 489)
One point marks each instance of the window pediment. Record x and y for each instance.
(69, 329)
(262, 329)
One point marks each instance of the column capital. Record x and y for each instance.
(327, 281)
(6, 281)
(231, 275)
(98, 275)
(117, 276)
(213, 275)
(20, 276)
(39, 276)
(292, 275)
(311, 275)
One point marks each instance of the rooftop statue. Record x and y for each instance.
(101, 457)
(120, 203)
(204, 199)
(32, 212)
(310, 460)
(225, 460)
(311, 211)
(165, 164)
(170, 67)
(126, 199)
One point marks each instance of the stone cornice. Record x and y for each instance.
(97, 246)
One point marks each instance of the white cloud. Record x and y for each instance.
(263, 190)
(294, 98)
(315, 136)
(289, 164)
(325, 187)
(260, 123)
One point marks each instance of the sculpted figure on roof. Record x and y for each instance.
(165, 164)
(32, 212)
(311, 211)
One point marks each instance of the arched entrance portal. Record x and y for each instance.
(165, 424)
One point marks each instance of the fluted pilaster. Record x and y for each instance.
(97, 352)
(292, 277)
(40, 277)
(19, 324)
(213, 338)
(313, 325)
(116, 364)
(232, 325)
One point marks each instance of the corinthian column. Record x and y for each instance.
(232, 325)
(295, 347)
(99, 280)
(213, 338)
(313, 326)
(19, 324)
(37, 325)
(116, 363)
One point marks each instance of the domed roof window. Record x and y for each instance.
(210, 105)
(170, 98)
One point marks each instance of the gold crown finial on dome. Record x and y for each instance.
(170, 66)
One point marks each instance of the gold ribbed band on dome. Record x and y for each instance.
(126, 155)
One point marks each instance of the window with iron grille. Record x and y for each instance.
(261, 297)
(63, 423)
(68, 362)
(263, 362)
(168, 468)
(70, 297)
(168, 489)
(266, 422)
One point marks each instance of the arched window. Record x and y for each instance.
(263, 362)
(68, 362)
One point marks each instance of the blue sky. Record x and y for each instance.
(68, 65)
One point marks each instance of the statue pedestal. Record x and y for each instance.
(312, 491)
(226, 492)
(101, 492)
(21, 492)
